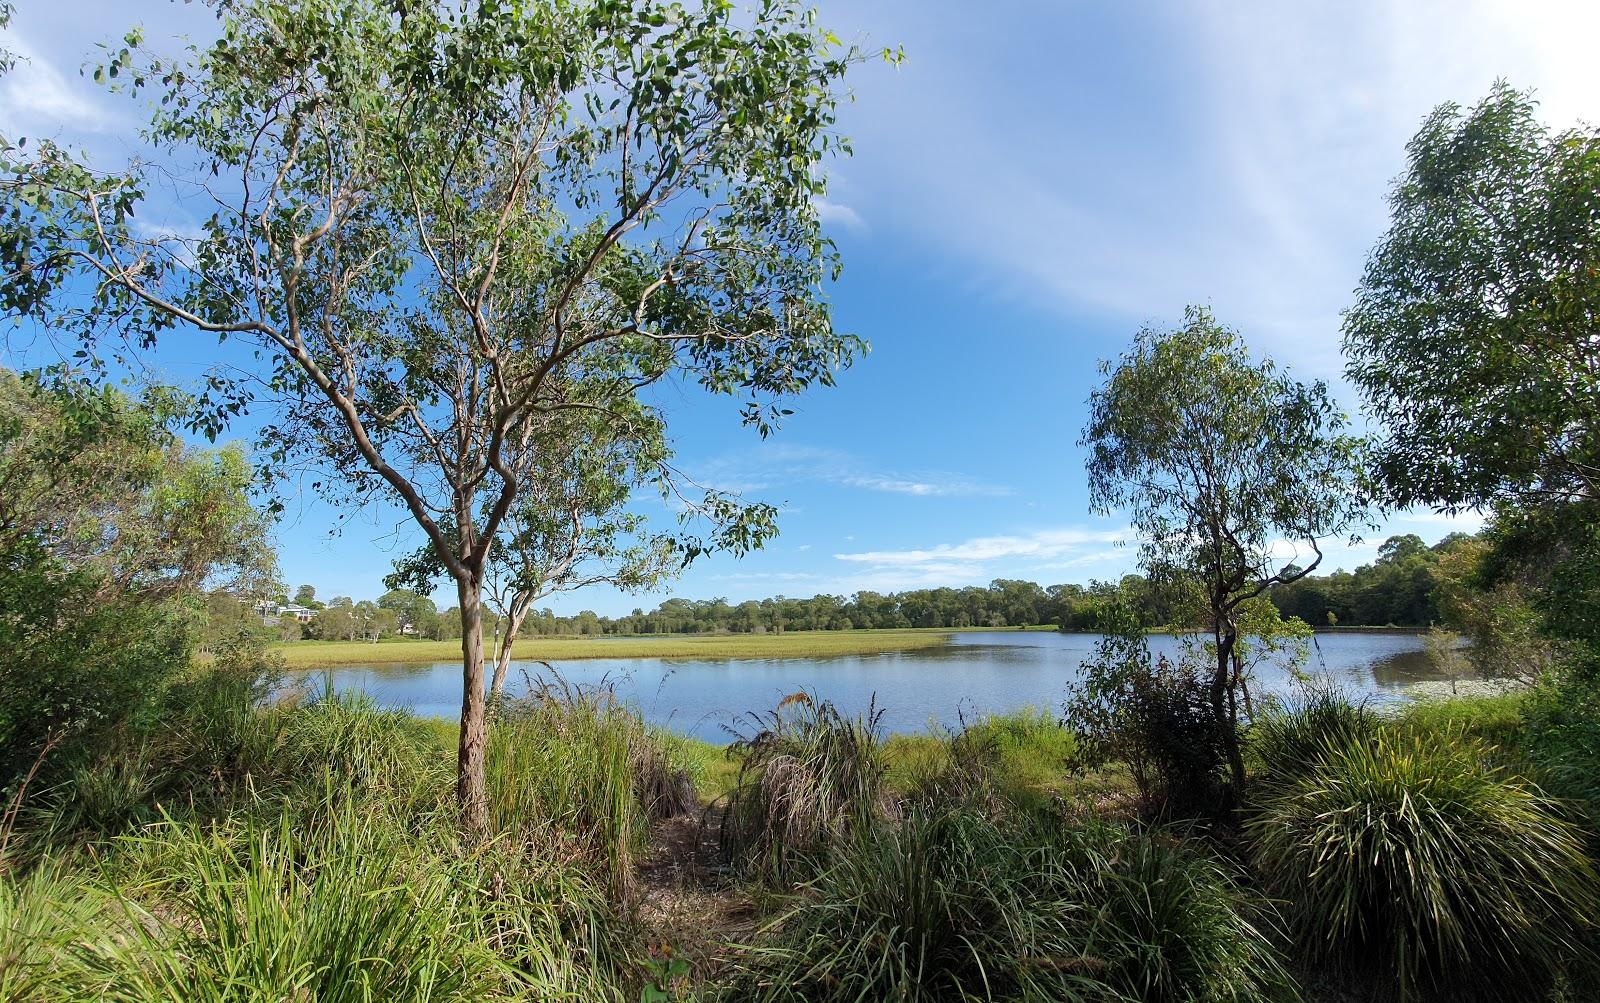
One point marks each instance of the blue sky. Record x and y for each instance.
(1032, 185)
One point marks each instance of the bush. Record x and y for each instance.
(808, 776)
(1156, 717)
(1561, 739)
(1407, 857)
(75, 668)
(954, 903)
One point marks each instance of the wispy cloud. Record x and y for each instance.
(1047, 544)
(778, 464)
(36, 97)
(952, 486)
(1061, 198)
(1054, 543)
(840, 214)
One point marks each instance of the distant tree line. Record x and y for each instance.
(1407, 585)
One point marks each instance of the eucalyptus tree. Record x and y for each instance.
(1473, 336)
(428, 224)
(571, 526)
(1474, 339)
(1231, 472)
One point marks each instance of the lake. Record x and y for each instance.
(976, 673)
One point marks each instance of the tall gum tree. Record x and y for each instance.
(1475, 340)
(434, 226)
(1231, 473)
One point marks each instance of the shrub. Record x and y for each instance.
(1562, 740)
(808, 776)
(1407, 857)
(1156, 717)
(75, 668)
(193, 753)
(216, 725)
(953, 903)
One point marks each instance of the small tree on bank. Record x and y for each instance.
(1224, 465)
(434, 226)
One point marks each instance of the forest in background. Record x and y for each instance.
(1405, 586)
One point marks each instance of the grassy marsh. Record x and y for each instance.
(790, 644)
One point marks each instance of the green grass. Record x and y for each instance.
(243, 848)
(1497, 719)
(1407, 857)
(791, 644)
(1024, 752)
(957, 902)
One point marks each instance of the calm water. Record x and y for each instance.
(976, 673)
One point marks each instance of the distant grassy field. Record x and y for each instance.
(792, 644)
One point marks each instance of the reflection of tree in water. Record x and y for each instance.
(1401, 668)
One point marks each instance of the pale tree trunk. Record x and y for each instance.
(513, 623)
(470, 788)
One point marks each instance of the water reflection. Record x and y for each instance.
(976, 673)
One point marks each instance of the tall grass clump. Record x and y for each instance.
(808, 776)
(1496, 719)
(350, 736)
(1025, 753)
(571, 769)
(956, 903)
(1406, 856)
(351, 909)
(1287, 737)
(44, 917)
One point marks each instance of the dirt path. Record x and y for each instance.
(686, 902)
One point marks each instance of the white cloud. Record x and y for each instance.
(1127, 160)
(950, 487)
(1056, 543)
(35, 97)
(765, 576)
(782, 463)
(839, 213)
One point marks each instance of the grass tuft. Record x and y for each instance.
(955, 903)
(1408, 856)
(808, 776)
